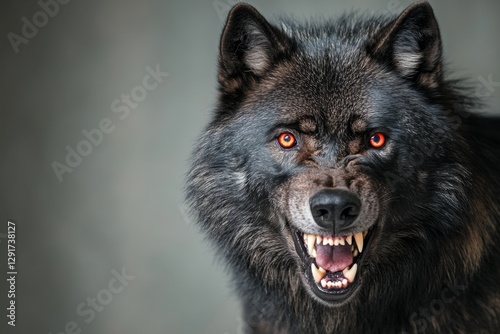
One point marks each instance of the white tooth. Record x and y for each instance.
(330, 241)
(359, 241)
(318, 274)
(342, 241)
(349, 239)
(314, 254)
(319, 239)
(323, 283)
(355, 253)
(325, 241)
(336, 241)
(329, 285)
(305, 238)
(344, 283)
(338, 284)
(310, 243)
(350, 274)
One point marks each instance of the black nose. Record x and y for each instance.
(335, 209)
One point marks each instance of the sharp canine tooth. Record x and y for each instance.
(349, 239)
(310, 243)
(305, 238)
(318, 274)
(314, 253)
(359, 241)
(318, 239)
(350, 274)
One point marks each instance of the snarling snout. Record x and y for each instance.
(331, 215)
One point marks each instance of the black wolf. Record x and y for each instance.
(348, 182)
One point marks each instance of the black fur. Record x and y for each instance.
(429, 196)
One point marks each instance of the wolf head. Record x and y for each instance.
(333, 169)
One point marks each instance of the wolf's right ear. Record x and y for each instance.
(411, 44)
(249, 47)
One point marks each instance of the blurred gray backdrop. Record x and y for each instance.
(103, 245)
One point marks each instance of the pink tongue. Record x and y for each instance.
(333, 258)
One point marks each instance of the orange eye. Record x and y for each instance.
(287, 140)
(377, 140)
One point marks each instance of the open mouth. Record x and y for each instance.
(332, 263)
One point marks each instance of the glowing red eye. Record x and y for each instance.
(287, 140)
(377, 140)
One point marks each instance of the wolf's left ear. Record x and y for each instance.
(249, 47)
(412, 45)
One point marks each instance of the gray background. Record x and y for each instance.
(120, 208)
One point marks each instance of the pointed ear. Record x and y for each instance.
(249, 47)
(411, 44)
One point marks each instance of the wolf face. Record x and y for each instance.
(332, 173)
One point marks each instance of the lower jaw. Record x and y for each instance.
(333, 296)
